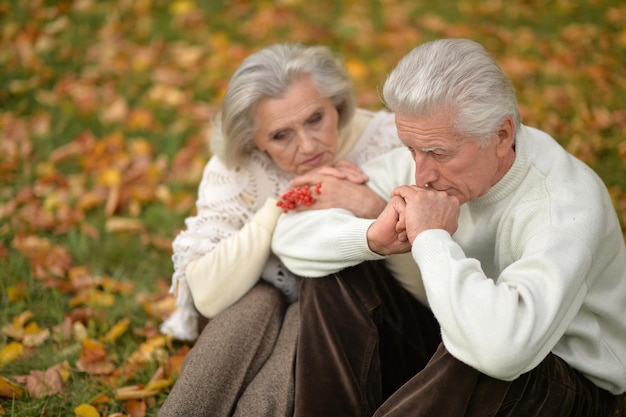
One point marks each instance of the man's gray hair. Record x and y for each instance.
(269, 73)
(457, 75)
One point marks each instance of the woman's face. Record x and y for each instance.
(297, 129)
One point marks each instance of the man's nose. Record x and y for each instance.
(425, 170)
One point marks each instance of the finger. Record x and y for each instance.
(345, 164)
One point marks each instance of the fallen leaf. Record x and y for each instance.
(10, 390)
(11, 352)
(86, 410)
(116, 331)
(136, 407)
(134, 392)
(94, 358)
(34, 335)
(41, 384)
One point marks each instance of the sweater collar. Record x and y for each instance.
(514, 176)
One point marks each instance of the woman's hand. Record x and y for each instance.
(343, 193)
(341, 169)
(340, 186)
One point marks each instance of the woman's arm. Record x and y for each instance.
(223, 275)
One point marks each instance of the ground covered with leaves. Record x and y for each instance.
(104, 111)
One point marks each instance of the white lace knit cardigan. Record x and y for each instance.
(228, 199)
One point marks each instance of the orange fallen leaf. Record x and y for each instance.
(136, 408)
(16, 292)
(94, 359)
(9, 390)
(175, 362)
(101, 399)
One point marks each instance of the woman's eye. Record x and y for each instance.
(316, 118)
(280, 136)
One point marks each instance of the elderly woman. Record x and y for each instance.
(288, 117)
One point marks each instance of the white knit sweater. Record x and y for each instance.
(225, 248)
(537, 265)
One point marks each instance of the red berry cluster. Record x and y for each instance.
(296, 196)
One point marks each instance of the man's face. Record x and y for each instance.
(457, 165)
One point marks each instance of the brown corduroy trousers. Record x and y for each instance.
(243, 362)
(366, 347)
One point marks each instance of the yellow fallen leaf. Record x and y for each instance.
(10, 390)
(16, 328)
(16, 293)
(86, 410)
(133, 392)
(182, 7)
(34, 335)
(159, 384)
(22, 319)
(121, 224)
(79, 331)
(116, 331)
(110, 177)
(11, 352)
(63, 369)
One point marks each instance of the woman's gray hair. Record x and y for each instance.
(269, 73)
(458, 75)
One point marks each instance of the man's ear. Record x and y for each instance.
(506, 136)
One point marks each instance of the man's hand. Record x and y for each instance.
(427, 209)
(387, 234)
(411, 211)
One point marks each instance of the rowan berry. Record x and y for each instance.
(293, 197)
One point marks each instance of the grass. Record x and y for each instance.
(131, 86)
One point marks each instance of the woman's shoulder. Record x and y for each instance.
(368, 116)
(376, 135)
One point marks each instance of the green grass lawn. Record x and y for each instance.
(104, 111)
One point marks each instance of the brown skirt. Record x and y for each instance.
(242, 363)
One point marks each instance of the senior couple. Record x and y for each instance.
(456, 262)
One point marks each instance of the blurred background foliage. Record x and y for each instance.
(105, 107)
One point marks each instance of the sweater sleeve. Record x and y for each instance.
(316, 243)
(230, 278)
(503, 326)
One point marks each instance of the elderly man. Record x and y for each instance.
(519, 250)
